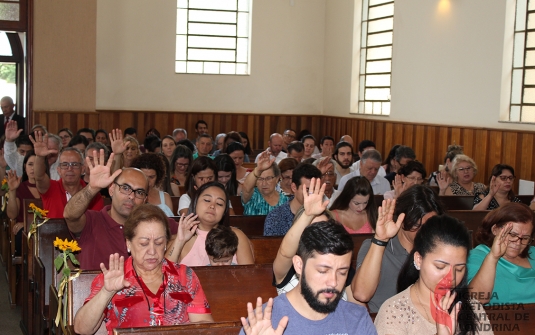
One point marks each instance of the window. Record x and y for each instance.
(12, 68)
(13, 15)
(213, 36)
(523, 76)
(376, 56)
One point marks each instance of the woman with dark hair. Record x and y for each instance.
(453, 150)
(66, 135)
(246, 143)
(236, 151)
(432, 286)
(180, 163)
(226, 173)
(412, 173)
(380, 259)
(390, 164)
(208, 209)
(154, 169)
(502, 266)
(102, 136)
(287, 166)
(355, 206)
(202, 171)
(168, 146)
(231, 137)
(500, 189)
(145, 289)
(79, 142)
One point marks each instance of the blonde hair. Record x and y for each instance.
(460, 159)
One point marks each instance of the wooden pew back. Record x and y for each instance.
(212, 328)
(250, 225)
(78, 291)
(237, 206)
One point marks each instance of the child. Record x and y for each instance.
(221, 246)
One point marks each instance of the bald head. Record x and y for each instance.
(275, 143)
(348, 139)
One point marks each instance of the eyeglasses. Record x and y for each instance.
(289, 135)
(266, 179)
(181, 165)
(504, 178)
(525, 240)
(467, 169)
(285, 177)
(416, 179)
(73, 165)
(127, 190)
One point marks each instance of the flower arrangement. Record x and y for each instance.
(5, 186)
(68, 248)
(38, 213)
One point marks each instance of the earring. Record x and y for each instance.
(416, 266)
(128, 250)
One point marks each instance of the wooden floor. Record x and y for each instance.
(9, 318)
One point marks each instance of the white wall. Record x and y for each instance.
(136, 52)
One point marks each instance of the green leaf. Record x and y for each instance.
(66, 272)
(58, 262)
(73, 259)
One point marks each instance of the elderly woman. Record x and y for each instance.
(180, 163)
(499, 191)
(463, 171)
(207, 210)
(355, 206)
(146, 289)
(502, 266)
(287, 166)
(154, 169)
(412, 173)
(259, 195)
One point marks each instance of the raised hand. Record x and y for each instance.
(386, 228)
(399, 187)
(40, 144)
(313, 198)
(494, 186)
(264, 161)
(259, 322)
(501, 241)
(187, 226)
(118, 146)
(443, 181)
(12, 131)
(12, 180)
(324, 165)
(99, 173)
(114, 277)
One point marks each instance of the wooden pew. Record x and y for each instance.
(237, 206)
(472, 220)
(213, 328)
(251, 225)
(457, 202)
(175, 201)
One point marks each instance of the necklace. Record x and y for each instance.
(421, 304)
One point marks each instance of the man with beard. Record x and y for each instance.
(100, 233)
(314, 307)
(343, 155)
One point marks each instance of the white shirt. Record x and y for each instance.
(356, 167)
(279, 157)
(16, 160)
(379, 184)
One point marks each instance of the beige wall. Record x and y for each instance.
(64, 66)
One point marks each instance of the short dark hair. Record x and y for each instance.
(236, 146)
(412, 166)
(326, 138)
(221, 242)
(150, 161)
(200, 122)
(195, 198)
(205, 136)
(306, 137)
(234, 136)
(201, 163)
(296, 146)
(404, 151)
(86, 130)
(342, 144)
(390, 157)
(307, 171)
(102, 131)
(324, 237)
(24, 140)
(358, 185)
(130, 131)
(248, 150)
(510, 212)
(187, 143)
(366, 144)
(78, 139)
(145, 213)
(151, 142)
(416, 202)
(26, 158)
(153, 131)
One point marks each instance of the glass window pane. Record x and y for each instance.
(9, 11)
(530, 58)
(531, 21)
(211, 67)
(212, 16)
(182, 21)
(528, 114)
(518, 52)
(243, 24)
(213, 4)
(386, 108)
(377, 94)
(364, 35)
(531, 40)
(368, 107)
(211, 55)
(5, 47)
(378, 80)
(182, 4)
(377, 108)
(514, 115)
(377, 2)
(364, 10)
(362, 61)
(212, 42)
(195, 67)
(228, 68)
(180, 67)
(381, 11)
(181, 47)
(380, 39)
(241, 69)
(242, 50)
(380, 53)
(212, 29)
(361, 88)
(531, 5)
(529, 96)
(530, 77)
(243, 5)
(381, 25)
(520, 19)
(516, 90)
(379, 67)
(361, 107)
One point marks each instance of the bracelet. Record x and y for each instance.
(254, 174)
(379, 242)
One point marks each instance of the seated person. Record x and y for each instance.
(343, 155)
(204, 146)
(500, 189)
(369, 166)
(226, 174)
(100, 233)
(125, 149)
(207, 210)
(279, 220)
(56, 193)
(452, 151)
(322, 261)
(236, 151)
(154, 169)
(402, 156)
(412, 173)
(433, 280)
(328, 175)
(463, 171)
(381, 258)
(502, 267)
(286, 166)
(221, 245)
(180, 162)
(146, 289)
(296, 150)
(259, 195)
(79, 142)
(355, 206)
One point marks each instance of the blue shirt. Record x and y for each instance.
(257, 205)
(279, 220)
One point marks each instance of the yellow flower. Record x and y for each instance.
(73, 245)
(65, 245)
(32, 206)
(4, 181)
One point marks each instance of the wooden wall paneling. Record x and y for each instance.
(380, 133)
(455, 135)
(419, 142)
(480, 156)
(443, 141)
(467, 136)
(388, 135)
(408, 135)
(397, 135)
(527, 157)
(510, 147)
(494, 153)
(431, 154)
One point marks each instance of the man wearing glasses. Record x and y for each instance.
(287, 137)
(100, 232)
(56, 193)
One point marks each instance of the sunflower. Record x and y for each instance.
(66, 245)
